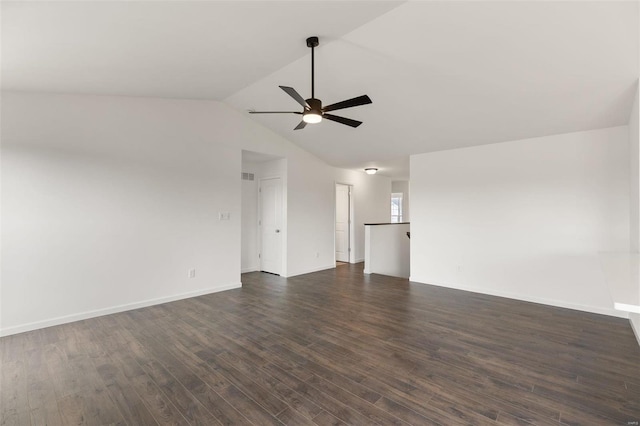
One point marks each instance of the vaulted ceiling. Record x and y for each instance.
(441, 75)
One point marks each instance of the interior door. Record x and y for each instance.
(271, 225)
(342, 223)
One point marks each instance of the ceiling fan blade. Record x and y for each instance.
(349, 103)
(301, 125)
(275, 112)
(295, 95)
(342, 120)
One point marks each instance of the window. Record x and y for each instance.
(396, 207)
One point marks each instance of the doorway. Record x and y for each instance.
(270, 224)
(255, 167)
(343, 231)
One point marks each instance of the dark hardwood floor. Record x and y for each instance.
(334, 347)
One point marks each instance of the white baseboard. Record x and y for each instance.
(626, 307)
(359, 260)
(111, 310)
(332, 266)
(252, 269)
(525, 298)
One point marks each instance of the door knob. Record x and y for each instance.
(277, 231)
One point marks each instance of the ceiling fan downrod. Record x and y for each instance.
(313, 42)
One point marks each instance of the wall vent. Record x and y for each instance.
(247, 176)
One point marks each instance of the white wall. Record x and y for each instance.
(372, 202)
(309, 181)
(387, 250)
(634, 192)
(403, 186)
(523, 219)
(634, 175)
(107, 202)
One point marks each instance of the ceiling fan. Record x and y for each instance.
(313, 111)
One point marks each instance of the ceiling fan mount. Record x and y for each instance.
(313, 42)
(313, 111)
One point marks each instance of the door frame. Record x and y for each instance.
(352, 239)
(283, 225)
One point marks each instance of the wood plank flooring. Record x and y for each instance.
(330, 348)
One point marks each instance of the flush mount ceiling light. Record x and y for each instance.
(313, 111)
(371, 170)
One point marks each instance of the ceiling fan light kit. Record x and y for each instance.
(313, 111)
(311, 117)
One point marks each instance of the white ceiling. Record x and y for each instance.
(176, 49)
(441, 74)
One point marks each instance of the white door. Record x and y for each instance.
(271, 225)
(342, 222)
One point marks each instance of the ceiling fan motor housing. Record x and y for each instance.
(315, 105)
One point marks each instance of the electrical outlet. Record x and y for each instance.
(317, 254)
(224, 215)
(192, 273)
(459, 268)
